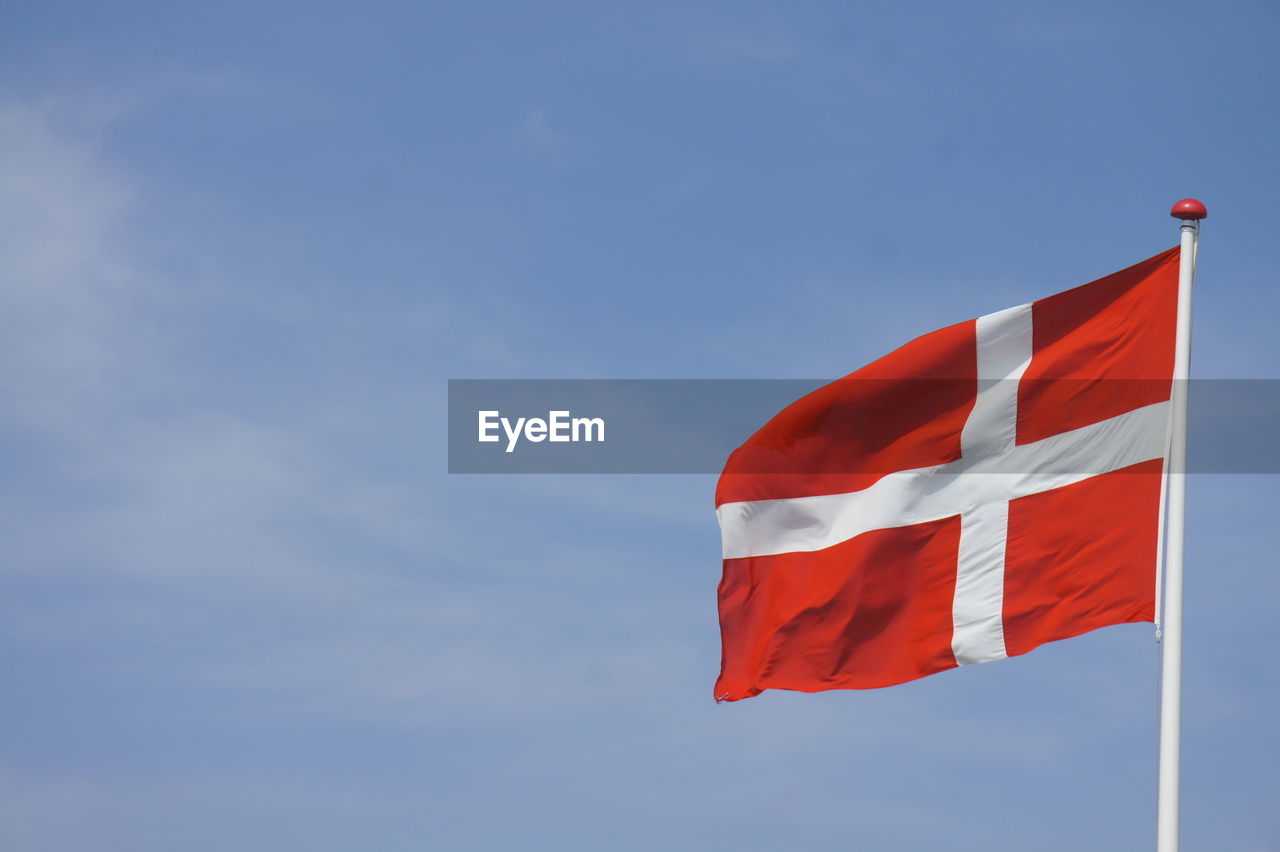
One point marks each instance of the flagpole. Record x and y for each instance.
(1190, 212)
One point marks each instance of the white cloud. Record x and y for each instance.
(61, 276)
(351, 584)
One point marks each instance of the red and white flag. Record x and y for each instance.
(982, 490)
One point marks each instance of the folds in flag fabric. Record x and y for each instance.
(982, 490)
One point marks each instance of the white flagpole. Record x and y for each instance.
(1190, 212)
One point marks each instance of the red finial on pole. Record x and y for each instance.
(1189, 208)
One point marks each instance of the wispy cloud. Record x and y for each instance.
(63, 281)
(185, 508)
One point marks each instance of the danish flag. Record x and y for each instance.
(980, 491)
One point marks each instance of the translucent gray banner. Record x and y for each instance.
(692, 425)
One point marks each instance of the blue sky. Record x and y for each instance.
(245, 246)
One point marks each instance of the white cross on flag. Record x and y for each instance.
(982, 490)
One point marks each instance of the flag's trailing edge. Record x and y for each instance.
(980, 491)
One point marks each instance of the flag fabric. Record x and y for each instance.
(980, 491)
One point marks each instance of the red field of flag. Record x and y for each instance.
(980, 491)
